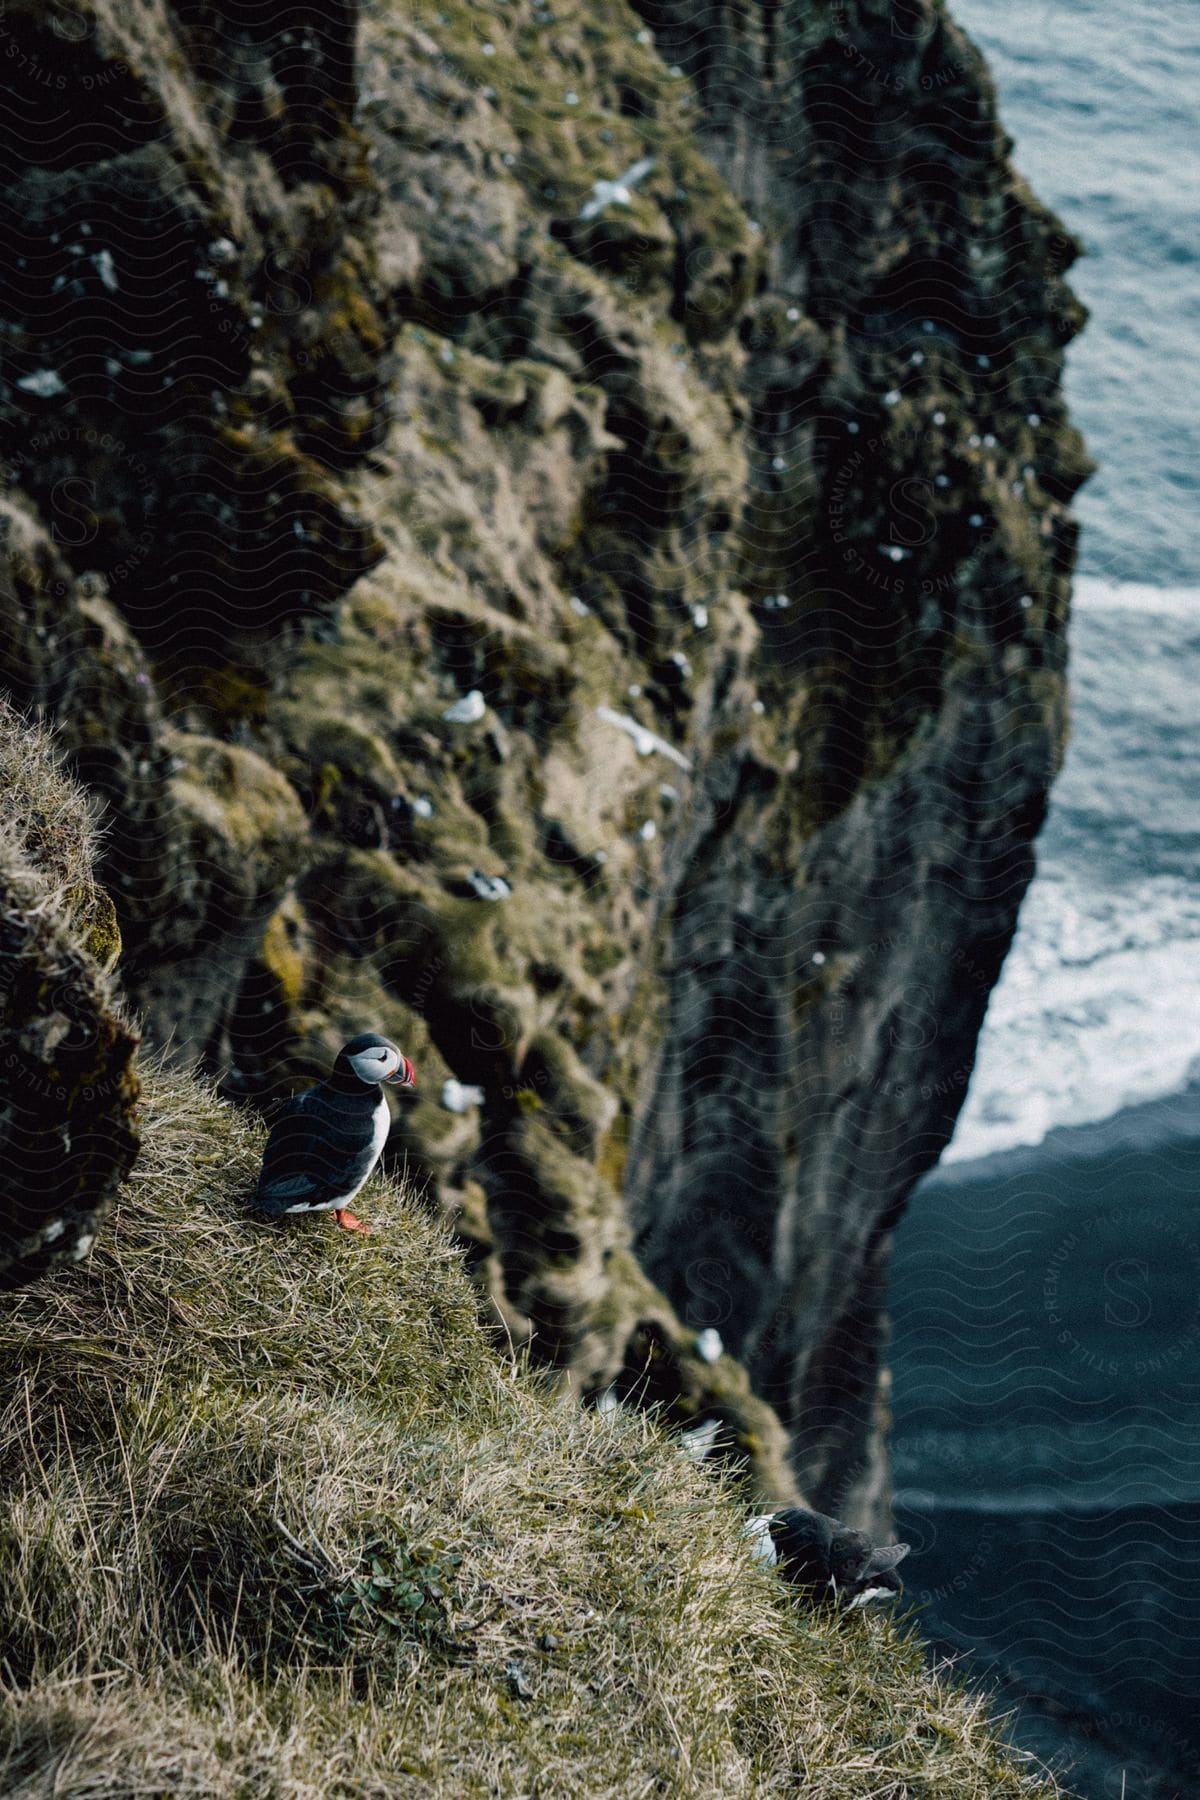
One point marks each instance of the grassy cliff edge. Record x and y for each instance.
(275, 1519)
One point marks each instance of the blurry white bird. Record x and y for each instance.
(645, 742)
(489, 887)
(700, 1441)
(457, 1098)
(45, 383)
(467, 711)
(618, 192)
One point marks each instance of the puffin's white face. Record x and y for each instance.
(383, 1062)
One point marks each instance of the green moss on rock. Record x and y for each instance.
(245, 826)
(282, 950)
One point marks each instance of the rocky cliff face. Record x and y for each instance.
(730, 504)
(909, 468)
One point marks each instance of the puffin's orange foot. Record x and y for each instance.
(348, 1222)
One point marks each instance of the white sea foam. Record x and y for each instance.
(1092, 593)
(1098, 1006)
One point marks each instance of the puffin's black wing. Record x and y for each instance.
(294, 1171)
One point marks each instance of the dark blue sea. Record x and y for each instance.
(1046, 1287)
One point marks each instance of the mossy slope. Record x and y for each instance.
(276, 1520)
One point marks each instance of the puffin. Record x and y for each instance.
(828, 1562)
(328, 1139)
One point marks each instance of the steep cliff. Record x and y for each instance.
(340, 393)
(910, 464)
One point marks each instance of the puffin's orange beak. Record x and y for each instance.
(405, 1077)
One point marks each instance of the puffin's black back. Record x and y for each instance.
(802, 1542)
(825, 1556)
(320, 1148)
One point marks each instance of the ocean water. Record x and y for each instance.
(1046, 1288)
(1098, 1006)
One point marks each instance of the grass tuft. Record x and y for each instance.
(276, 1521)
(48, 820)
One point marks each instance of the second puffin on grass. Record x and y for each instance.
(827, 1562)
(324, 1146)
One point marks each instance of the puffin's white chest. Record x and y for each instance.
(382, 1124)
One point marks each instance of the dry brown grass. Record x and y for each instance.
(48, 839)
(46, 818)
(276, 1521)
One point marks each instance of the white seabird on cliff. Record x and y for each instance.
(645, 742)
(467, 711)
(618, 192)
